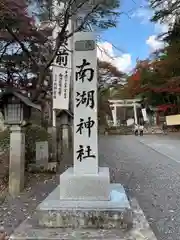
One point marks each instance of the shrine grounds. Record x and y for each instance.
(148, 167)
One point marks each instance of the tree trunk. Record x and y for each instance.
(44, 122)
(38, 85)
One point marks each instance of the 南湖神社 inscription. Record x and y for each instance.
(85, 98)
(85, 126)
(85, 107)
(85, 73)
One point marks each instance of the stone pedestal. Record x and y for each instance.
(88, 201)
(28, 229)
(115, 213)
(89, 187)
(17, 158)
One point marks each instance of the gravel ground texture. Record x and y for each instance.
(152, 177)
(15, 210)
(140, 231)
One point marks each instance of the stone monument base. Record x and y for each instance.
(106, 207)
(28, 230)
(88, 187)
(88, 201)
(115, 213)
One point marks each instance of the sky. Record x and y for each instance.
(135, 36)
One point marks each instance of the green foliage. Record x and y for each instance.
(33, 134)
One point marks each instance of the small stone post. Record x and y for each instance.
(17, 160)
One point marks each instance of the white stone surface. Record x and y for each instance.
(84, 85)
(140, 231)
(42, 153)
(16, 164)
(87, 187)
(52, 202)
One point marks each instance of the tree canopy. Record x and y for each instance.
(26, 43)
(110, 80)
(158, 78)
(165, 11)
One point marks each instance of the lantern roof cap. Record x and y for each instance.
(64, 111)
(11, 92)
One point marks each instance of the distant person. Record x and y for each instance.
(141, 130)
(164, 127)
(136, 129)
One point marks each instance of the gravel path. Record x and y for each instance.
(14, 210)
(154, 179)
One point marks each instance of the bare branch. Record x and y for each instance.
(84, 21)
(21, 44)
(74, 12)
(61, 36)
(59, 40)
(5, 48)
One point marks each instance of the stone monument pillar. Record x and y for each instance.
(85, 181)
(17, 158)
(85, 197)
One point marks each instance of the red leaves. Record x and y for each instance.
(14, 14)
(12, 9)
(141, 89)
(136, 76)
(165, 107)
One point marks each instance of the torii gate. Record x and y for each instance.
(124, 103)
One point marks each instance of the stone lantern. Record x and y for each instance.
(16, 109)
(64, 117)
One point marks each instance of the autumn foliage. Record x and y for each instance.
(14, 15)
(158, 78)
(109, 77)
